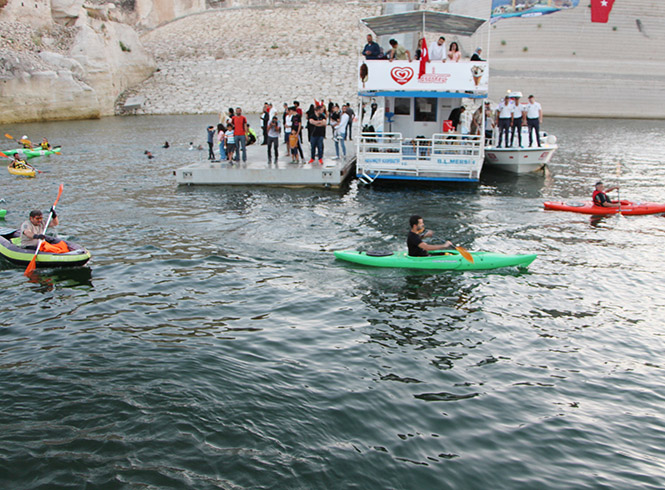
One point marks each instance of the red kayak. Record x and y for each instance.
(588, 207)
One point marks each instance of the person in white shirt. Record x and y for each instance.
(534, 118)
(516, 125)
(504, 118)
(340, 132)
(438, 51)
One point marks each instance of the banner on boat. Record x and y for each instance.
(466, 76)
(502, 9)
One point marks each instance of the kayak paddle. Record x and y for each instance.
(7, 135)
(33, 263)
(465, 253)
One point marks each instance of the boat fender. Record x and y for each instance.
(378, 253)
(551, 139)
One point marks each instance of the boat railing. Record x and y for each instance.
(419, 148)
(450, 153)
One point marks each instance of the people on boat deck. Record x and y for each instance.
(455, 116)
(371, 51)
(414, 241)
(25, 142)
(45, 145)
(398, 52)
(34, 228)
(516, 122)
(489, 121)
(600, 198)
(438, 51)
(476, 55)
(534, 118)
(504, 119)
(454, 54)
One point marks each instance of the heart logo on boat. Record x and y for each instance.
(401, 74)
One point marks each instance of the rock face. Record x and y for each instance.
(151, 13)
(71, 62)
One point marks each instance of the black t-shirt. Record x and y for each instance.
(412, 241)
(319, 130)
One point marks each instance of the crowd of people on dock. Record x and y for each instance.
(233, 133)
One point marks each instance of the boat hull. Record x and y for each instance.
(448, 260)
(77, 256)
(519, 160)
(588, 207)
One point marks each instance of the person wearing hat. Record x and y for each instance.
(476, 55)
(25, 142)
(600, 197)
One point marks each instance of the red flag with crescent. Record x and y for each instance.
(600, 10)
(424, 58)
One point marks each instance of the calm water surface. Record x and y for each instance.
(214, 342)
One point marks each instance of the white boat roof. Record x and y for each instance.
(423, 20)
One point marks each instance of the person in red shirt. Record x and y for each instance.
(240, 132)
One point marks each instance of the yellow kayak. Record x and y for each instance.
(25, 172)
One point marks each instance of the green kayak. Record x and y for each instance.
(35, 152)
(444, 260)
(13, 252)
(3, 213)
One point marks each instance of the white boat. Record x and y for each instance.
(520, 159)
(404, 113)
(524, 159)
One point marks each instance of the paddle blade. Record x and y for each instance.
(465, 253)
(9, 136)
(31, 266)
(3, 155)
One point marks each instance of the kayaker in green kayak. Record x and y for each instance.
(417, 247)
(33, 230)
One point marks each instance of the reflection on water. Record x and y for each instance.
(214, 342)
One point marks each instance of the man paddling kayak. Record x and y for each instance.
(33, 230)
(600, 197)
(417, 247)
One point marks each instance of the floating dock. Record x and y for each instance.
(257, 171)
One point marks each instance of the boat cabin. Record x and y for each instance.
(411, 121)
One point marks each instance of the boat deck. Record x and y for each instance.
(257, 171)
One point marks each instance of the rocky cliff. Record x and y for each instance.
(66, 59)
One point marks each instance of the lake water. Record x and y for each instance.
(214, 342)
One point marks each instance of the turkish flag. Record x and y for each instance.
(424, 58)
(600, 10)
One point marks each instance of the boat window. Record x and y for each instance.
(402, 106)
(425, 109)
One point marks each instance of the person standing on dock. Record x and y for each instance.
(339, 134)
(211, 135)
(414, 241)
(504, 118)
(534, 118)
(318, 123)
(265, 120)
(274, 130)
(240, 132)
